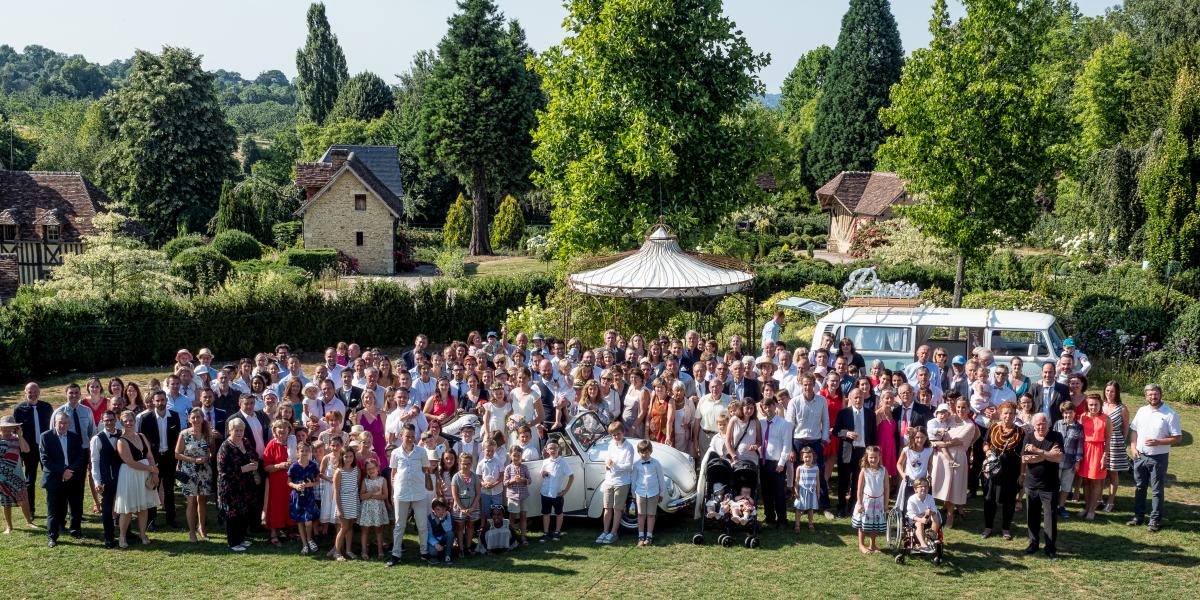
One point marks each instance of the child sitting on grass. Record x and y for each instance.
(441, 532)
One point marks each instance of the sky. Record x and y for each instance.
(251, 36)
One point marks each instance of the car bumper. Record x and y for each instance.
(678, 504)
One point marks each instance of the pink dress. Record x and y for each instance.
(378, 440)
(886, 434)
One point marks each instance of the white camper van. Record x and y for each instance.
(893, 334)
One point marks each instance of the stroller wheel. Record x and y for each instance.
(899, 559)
(698, 539)
(754, 542)
(746, 542)
(937, 560)
(726, 541)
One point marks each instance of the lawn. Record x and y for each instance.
(1102, 558)
(508, 266)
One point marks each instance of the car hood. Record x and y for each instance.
(677, 466)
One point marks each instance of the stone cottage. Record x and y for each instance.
(352, 203)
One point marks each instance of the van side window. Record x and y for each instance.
(879, 339)
(1010, 342)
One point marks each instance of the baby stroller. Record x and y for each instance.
(902, 532)
(721, 481)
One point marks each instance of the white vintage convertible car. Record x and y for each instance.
(583, 445)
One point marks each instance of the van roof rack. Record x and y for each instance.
(871, 302)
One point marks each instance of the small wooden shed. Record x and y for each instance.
(856, 198)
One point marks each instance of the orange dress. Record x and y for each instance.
(1095, 434)
(657, 431)
(279, 495)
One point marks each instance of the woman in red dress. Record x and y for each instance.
(1095, 455)
(278, 494)
(835, 401)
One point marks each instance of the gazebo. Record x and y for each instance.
(662, 270)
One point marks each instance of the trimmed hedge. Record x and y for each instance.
(202, 267)
(295, 275)
(237, 245)
(181, 243)
(43, 337)
(314, 261)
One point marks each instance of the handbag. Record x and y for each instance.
(991, 465)
(182, 478)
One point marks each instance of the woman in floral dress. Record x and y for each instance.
(193, 450)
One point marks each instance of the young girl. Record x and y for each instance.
(464, 495)
(346, 499)
(913, 463)
(303, 479)
(444, 475)
(806, 487)
(516, 489)
(372, 514)
(329, 465)
(870, 514)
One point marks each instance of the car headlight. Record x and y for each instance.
(670, 490)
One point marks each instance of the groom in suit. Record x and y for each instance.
(161, 427)
(63, 463)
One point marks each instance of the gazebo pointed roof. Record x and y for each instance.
(661, 270)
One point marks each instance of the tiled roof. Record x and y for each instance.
(862, 192)
(313, 172)
(33, 198)
(383, 161)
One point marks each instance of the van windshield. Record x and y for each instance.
(1056, 339)
(874, 338)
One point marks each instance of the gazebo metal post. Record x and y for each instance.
(748, 295)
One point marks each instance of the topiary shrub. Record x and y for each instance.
(287, 235)
(237, 245)
(457, 231)
(202, 267)
(314, 261)
(181, 243)
(509, 224)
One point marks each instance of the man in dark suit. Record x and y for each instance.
(34, 417)
(414, 356)
(215, 416)
(161, 428)
(1048, 393)
(691, 350)
(855, 426)
(106, 465)
(63, 463)
(908, 415)
(543, 381)
(742, 387)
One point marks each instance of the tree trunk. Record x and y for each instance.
(480, 242)
(959, 272)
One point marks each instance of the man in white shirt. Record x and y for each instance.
(424, 386)
(324, 403)
(809, 415)
(332, 368)
(618, 475)
(1001, 391)
(775, 451)
(771, 331)
(411, 485)
(1154, 429)
(710, 406)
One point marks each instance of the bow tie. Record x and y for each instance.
(645, 462)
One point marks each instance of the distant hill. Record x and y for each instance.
(770, 100)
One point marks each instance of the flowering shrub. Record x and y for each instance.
(540, 246)
(867, 237)
(346, 264)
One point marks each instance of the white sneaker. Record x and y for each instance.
(239, 548)
(602, 538)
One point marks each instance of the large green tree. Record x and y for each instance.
(1103, 93)
(642, 120)
(862, 68)
(173, 145)
(797, 117)
(320, 67)
(364, 97)
(1170, 181)
(805, 82)
(479, 108)
(968, 113)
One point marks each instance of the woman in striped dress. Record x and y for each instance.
(1118, 433)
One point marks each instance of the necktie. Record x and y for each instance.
(211, 419)
(75, 417)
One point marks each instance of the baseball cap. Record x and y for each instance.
(538, 336)
(943, 407)
(492, 334)
(958, 360)
(1069, 343)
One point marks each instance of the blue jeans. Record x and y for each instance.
(1149, 470)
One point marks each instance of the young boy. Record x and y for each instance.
(468, 443)
(922, 509)
(1072, 434)
(516, 488)
(618, 474)
(553, 491)
(647, 489)
(491, 481)
(440, 532)
(525, 438)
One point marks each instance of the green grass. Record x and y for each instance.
(1101, 558)
(508, 266)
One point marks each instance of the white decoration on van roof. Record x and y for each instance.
(864, 283)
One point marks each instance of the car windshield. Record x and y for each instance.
(587, 430)
(1056, 339)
